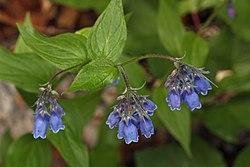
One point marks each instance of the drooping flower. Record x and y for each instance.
(184, 83)
(113, 119)
(147, 128)
(150, 106)
(45, 118)
(56, 113)
(192, 99)
(41, 124)
(56, 122)
(130, 114)
(128, 131)
(202, 85)
(174, 100)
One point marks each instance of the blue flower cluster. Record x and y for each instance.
(130, 114)
(185, 83)
(43, 118)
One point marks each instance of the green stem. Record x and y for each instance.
(62, 71)
(125, 77)
(211, 17)
(145, 57)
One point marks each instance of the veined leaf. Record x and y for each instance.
(108, 35)
(64, 50)
(26, 71)
(94, 75)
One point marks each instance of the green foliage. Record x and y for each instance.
(29, 153)
(196, 49)
(94, 75)
(143, 36)
(177, 122)
(170, 28)
(84, 32)
(153, 27)
(5, 142)
(175, 39)
(243, 158)
(21, 47)
(105, 152)
(13, 68)
(172, 155)
(63, 51)
(240, 25)
(99, 5)
(225, 120)
(188, 6)
(108, 35)
(69, 142)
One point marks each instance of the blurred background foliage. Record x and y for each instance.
(215, 136)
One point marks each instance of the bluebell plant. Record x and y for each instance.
(132, 112)
(48, 113)
(184, 84)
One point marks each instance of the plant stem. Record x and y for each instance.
(125, 77)
(62, 71)
(145, 57)
(211, 17)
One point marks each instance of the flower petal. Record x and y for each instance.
(147, 128)
(174, 100)
(192, 99)
(40, 126)
(56, 122)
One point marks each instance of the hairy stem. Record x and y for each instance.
(136, 59)
(62, 71)
(125, 77)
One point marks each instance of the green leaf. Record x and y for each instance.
(177, 122)
(141, 27)
(175, 39)
(240, 25)
(196, 49)
(84, 32)
(242, 159)
(21, 47)
(107, 148)
(95, 75)
(5, 142)
(28, 152)
(170, 28)
(64, 50)
(69, 142)
(224, 53)
(225, 120)
(172, 155)
(160, 68)
(26, 71)
(108, 35)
